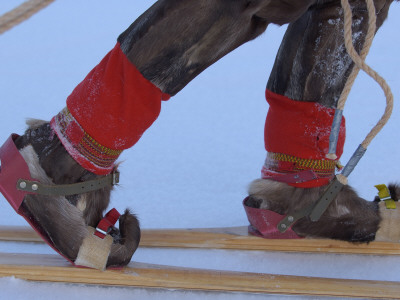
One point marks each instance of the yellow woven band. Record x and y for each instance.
(285, 162)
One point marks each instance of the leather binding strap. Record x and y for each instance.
(315, 210)
(68, 189)
(108, 221)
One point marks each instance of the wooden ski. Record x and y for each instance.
(235, 238)
(52, 268)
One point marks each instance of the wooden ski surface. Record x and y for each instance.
(235, 238)
(52, 268)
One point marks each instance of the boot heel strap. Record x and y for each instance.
(108, 221)
(36, 187)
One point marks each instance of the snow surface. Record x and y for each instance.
(192, 167)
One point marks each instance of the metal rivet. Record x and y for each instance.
(290, 219)
(34, 187)
(22, 184)
(283, 226)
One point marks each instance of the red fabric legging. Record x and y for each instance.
(107, 112)
(114, 105)
(297, 138)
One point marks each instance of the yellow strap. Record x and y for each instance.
(384, 195)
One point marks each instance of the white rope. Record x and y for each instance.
(359, 60)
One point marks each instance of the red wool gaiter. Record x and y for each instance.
(107, 113)
(297, 140)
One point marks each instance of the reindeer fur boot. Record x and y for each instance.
(68, 222)
(308, 77)
(105, 114)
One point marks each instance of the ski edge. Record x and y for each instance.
(51, 268)
(233, 238)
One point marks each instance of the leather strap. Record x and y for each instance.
(290, 219)
(315, 210)
(330, 194)
(68, 189)
(108, 221)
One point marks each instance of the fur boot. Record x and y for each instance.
(65, 220)
(312, 66)
(348, 218)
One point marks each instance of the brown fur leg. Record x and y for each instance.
(174, 41)
(312, 63)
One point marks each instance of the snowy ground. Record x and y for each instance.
(190, 169)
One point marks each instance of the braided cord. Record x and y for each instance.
(21, 13)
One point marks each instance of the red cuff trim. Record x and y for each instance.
(165, 97)
(81, 146)
(297, 139)
(278, 165)
(303, 179)
(108, 112)
(299, 128)
(115, 104)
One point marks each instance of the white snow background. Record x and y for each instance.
(192, 167)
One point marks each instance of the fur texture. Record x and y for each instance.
(348, 218)
(65, 219)
(312, 63)
(174, 41)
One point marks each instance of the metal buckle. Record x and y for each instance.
(115, 177)
(101, 231)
